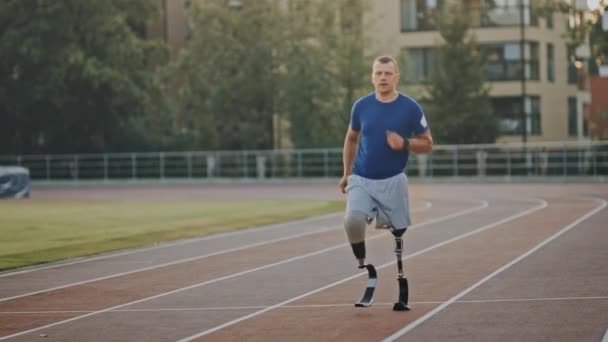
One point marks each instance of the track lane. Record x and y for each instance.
(434, 276)
(556, 293)
(146, 284)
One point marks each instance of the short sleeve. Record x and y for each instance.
(355, 117)
(420, 125)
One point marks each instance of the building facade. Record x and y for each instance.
(555, 90)
(553, 101)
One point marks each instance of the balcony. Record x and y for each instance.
(424, 15)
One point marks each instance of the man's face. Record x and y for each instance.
(384, 77)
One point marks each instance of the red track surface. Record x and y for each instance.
(484, 262)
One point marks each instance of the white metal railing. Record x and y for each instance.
(549, 159)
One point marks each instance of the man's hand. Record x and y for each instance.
(343, 184)
(395, 141)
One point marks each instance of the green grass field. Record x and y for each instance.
(38, 232)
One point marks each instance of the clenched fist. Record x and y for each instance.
(396, 142)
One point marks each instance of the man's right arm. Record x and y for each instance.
(351, 142)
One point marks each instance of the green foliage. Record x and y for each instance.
(326, 70)
(599, 45)
(73, 73)
(591, 28)
(226, 80)
(79, 76)
(459, 106)
(243, 66)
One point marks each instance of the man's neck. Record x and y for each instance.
(388, 97)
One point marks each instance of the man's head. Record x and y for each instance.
(385, 75)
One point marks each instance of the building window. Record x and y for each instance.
(419, 15)
(509, 111)
(503, 61)
(572, 71)
(506, 13)
(550, 63)
(419, 64)
(549, 20)
(572, 117)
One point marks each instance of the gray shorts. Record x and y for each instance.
(383, 199)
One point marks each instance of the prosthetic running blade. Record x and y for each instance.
(401, 304)
(368, 295)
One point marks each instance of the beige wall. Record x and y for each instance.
(171, 25)
(387, 38)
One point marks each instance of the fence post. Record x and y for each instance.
(105, 167)
(325, 163)
(48, 167)
(421, 161)
(210, 165)
(19, 160)
(260, 161)
(564, 161)
(273, 163)
(133, 166)
(481, 163)
(299, 164)
(189, 164)
(244, 161)
(594, 154)
(75, 176)
(161, 165)
(508, 162)
(455, 162)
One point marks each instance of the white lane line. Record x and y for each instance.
(439, 219)
(541, 299)
(308, 306)
(172, 263)
(257, 313)
(605, 338)
(433, 312)
(180, 261)
(174, 244)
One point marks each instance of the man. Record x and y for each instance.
(384, 127)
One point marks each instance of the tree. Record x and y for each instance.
(599, 44)
(73, 73)
(458, 105)
(226, 78)
(246, 65)
(590, 27)
(326, 69)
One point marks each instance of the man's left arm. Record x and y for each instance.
(421, 143)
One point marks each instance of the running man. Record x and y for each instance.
(384, 127)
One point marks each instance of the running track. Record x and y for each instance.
(484, 262)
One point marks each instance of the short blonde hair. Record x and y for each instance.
(387, 59)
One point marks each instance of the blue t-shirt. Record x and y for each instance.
(372, 118)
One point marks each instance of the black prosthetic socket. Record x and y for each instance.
(398, 232)
(359, 249)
